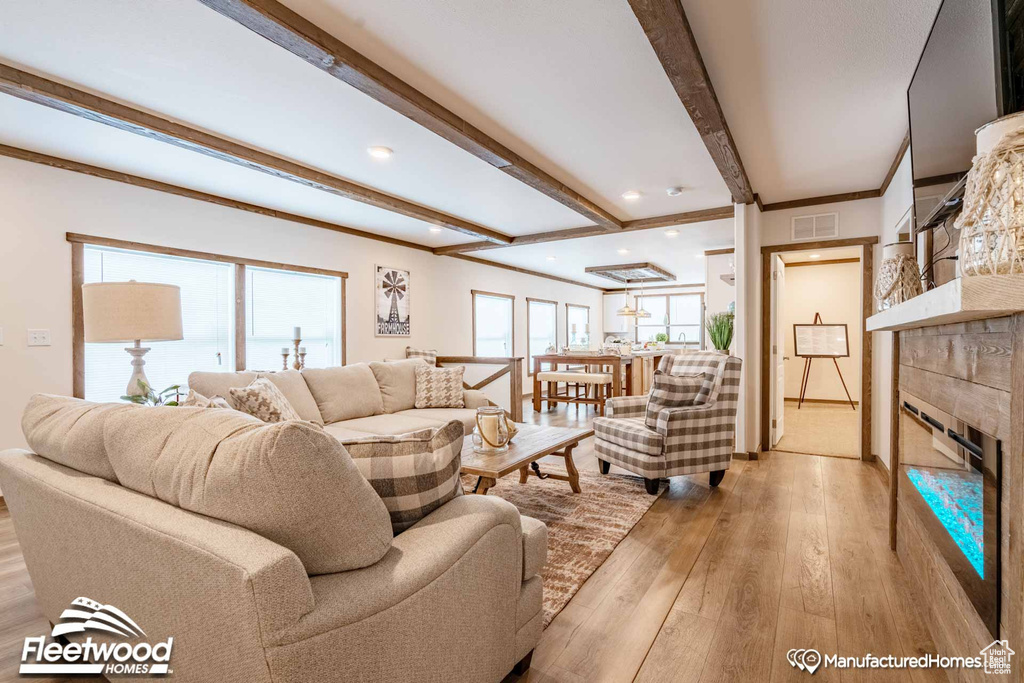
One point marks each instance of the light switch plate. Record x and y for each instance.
(38, 337)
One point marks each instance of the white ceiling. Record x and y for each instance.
(814, 92)
(682, 255)
(573, 86)
(820, 255)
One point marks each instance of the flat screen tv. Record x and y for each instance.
(956, 88)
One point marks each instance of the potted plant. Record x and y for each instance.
(151, 398)
(719, 327)
(661, 338)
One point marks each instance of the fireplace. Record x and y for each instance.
(951, 473)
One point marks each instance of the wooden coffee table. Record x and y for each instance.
(530, 445)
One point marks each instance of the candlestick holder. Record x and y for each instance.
(302, 360)
(284, 360)
(297, 365)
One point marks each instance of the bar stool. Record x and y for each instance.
(600, 381)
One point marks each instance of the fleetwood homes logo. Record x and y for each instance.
(61, 657)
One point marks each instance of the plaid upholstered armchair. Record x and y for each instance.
(686, 440)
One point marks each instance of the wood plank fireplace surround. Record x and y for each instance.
(958, 354)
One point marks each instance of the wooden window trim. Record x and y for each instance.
(668, 312)
(78, 243)
(546, 302)
(567, 307)
(473, 295)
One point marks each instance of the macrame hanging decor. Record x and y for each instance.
(899, 278)
(992, 220)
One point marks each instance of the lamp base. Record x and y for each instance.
(137, 352)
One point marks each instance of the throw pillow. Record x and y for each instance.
(429, 355)
(439, 387)
(671, 391)
(264, 401)
(414, 474)
(197, 400)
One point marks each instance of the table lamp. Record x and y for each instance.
(132, 312)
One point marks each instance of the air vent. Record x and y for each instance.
(816, 227)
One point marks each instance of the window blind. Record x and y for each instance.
(207, 292)
(542, 328)
(276, 302)
(493, 325)
(580, 317)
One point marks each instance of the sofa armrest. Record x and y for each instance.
(475, 398)
(476, 535)
(535, 546)
(626, 406)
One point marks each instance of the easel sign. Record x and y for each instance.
(819, 340)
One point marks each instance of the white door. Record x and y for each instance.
(778, 349)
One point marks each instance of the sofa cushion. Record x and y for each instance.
(390, 425)
(294, 388)
(631, 433)
(288, 481)
(397, 382)
(340, 432)
(429, 355)
(439, 387)
(344, 393)
(69, 431)
(264, 401)
(467, 416)
(414, 474)
(219, 383)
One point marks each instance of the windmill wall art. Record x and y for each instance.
(392, 302)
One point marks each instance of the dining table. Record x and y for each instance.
(617, 364)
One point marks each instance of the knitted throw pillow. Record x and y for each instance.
(264, 401)
(439, 387)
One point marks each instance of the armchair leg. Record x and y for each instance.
(716, 477)
(605, 466)
(652, 486)
(523, 665)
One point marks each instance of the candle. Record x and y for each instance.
(286, 350)
(302, 349)
(489, 429)
(574, 328)
(298, 333)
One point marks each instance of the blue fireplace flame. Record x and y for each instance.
(957, 502)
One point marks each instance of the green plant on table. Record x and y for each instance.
(719, 327)
(661, 337)
(148, 397)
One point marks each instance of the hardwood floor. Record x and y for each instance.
(711, 585)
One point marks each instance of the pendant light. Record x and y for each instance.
(641, 312)
(627, 311)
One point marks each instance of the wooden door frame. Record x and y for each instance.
(867, 281)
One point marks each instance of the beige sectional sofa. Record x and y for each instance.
(353, 401)
(134, 507)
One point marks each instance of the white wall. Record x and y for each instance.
(38, 205)
(834, 291)
(718, 294)
(897, 199)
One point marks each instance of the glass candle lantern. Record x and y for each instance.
(491, 434)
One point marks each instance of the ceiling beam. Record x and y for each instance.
(904, 146)
(669, 32)
(138, 181)
(63, 98)
(826, 199)
(280, 25)
(699, 216)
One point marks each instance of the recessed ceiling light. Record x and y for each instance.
(380, 152)
(623, 251)
(671, 233)
(674, 191)
(815, 256)
(436, 229)
(631, 195)
(552, 258)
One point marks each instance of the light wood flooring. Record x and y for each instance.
(821, 429)
(711, 585)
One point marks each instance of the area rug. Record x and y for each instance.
(583, 528)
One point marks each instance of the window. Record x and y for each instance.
(577, 325)
(277, 301)
(207, 320)
(680, 317)
(541, 326)
(493, 324)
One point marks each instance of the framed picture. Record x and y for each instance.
(821, 341)
(391, 302)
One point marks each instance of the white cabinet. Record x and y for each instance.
(613, 322)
